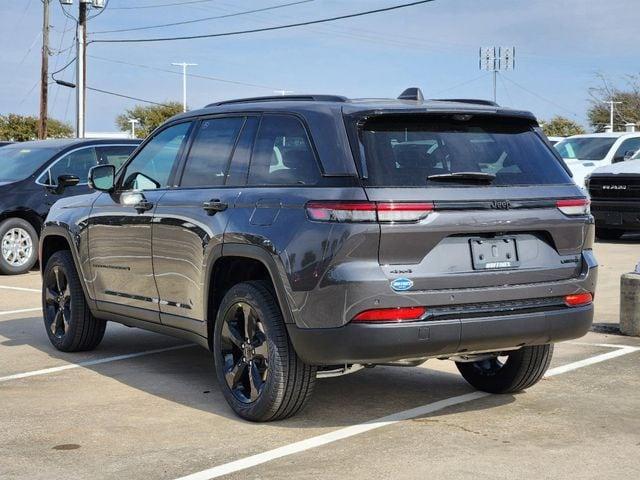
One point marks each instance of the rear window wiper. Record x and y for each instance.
(471, 177)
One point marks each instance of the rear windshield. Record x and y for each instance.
(405, 151)
(586, 148)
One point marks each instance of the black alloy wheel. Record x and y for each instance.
(57, 307)
(245, 352)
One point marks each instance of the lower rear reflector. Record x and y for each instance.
(390, 314)
(578, 299)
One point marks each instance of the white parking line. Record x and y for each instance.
(353, 430)
(21, 289)
(23, 310)
(89, 363)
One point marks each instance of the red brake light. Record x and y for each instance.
(574, 206)
(578, 299)
(390, 314)
(356, 211)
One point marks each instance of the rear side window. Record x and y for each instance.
(282, 154)
(406, 151)
(210, 152)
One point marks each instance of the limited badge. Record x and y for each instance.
(401, 284)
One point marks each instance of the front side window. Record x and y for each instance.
(151, 168)
(282, 154)
(114, 155)
(208, 159)
(627, 149)
(75, 163)
(423, 151)
(585, 148)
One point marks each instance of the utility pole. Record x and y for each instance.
(81, 69)
(184, 81)
(495, 59)
(612, 106)
(44, 73)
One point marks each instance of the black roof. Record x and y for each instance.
(348, 106)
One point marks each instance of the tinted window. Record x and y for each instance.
(282, 154)
(406, 151)
(586, 148)
(114, 155)
(17, 161)
(237, 175)
(629, 145)
(210, 152)
(75, 163)
(151, 167)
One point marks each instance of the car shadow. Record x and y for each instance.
(186, 376)
(626, 239)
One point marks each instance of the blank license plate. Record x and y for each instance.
(494, 253)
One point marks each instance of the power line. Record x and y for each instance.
(194, 75)
(126, 96)
(541, 97)
(265, 29)
(186, 22)
(162, 5)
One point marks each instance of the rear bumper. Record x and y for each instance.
(617, 214)
(371, 343)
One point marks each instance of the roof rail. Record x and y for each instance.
(474, 101)
(281, 98)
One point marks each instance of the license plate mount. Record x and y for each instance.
(499, 253)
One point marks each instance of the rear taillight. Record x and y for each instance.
(348, 211)
(578, 299)
(400, 314)
(574, 206)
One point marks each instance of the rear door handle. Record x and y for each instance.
(143, 206)
(214, 206)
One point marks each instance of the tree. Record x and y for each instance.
(148, 116)
(561, 127)
(20, 128)
(626, 112)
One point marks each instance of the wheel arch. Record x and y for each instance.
(55, 238)
(239, 263)
(28, 215)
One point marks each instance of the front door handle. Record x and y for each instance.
(214, 206)
(143, 206)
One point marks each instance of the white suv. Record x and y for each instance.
(584, 153)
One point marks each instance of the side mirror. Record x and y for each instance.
(102, 177)
(628, 154)
(617, 159)
(65, 181)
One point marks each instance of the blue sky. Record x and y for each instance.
(560, 44)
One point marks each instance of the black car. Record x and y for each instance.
(303, 235)
(30, 174)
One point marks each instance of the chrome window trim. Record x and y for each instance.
(46, 171)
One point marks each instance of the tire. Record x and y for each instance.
(608, 233)
(16, 237)
(522, 369)
(262, 380)
(68, 322)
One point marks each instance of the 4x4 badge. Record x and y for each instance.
(501, 204)
(401, 284)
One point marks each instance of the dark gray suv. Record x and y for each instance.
(305, 236)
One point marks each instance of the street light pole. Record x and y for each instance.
(184, 81)
(612, 107)
(133, 122)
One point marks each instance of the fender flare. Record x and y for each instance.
(50, 230)
(255, 253)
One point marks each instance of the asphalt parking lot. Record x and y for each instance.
(147, 406)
